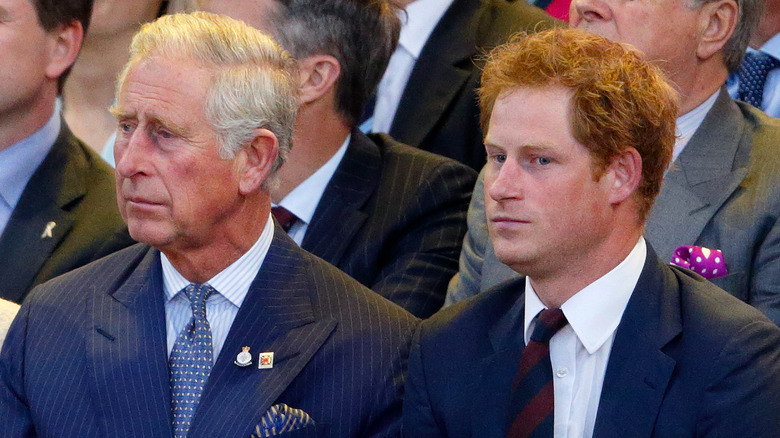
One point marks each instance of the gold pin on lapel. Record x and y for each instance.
(47, 231)
(265, 360)
(243, 359)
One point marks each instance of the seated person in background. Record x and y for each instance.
(218, 325)
(7, 312)
(638, 348)
(758, 80)
(722, 191)
(57, 199)
(389, 215)
(427, 97)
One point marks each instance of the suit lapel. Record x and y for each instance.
(493, 388)
(638, 371)
(439, 74)
(277, 316)
(127, 347)
(339, 214)
(40, 221)
(703, 177)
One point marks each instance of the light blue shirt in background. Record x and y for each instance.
(19, 162)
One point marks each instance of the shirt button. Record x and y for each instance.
(561, 372)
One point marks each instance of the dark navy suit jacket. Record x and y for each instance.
(86, 356)
(688, 360)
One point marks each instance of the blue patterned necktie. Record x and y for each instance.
(752, 77)
(191, 360)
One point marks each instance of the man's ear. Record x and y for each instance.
(717, 21)
(318, 76)
(625, 173)
(64, 45)
(256, 160)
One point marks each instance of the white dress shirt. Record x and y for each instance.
(580, 351)
(770, 103)
(302, 201)
(417, 24)
(232, 285)
(689, 123)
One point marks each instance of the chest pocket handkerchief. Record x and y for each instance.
(281, 419)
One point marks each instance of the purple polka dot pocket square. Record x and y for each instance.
(706, 262)
(281, 419)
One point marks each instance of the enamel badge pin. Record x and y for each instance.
(265, 360)
(244, 359)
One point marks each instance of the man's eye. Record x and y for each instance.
(499, 158)
(125, 127)
(543, 161)
(164, 134)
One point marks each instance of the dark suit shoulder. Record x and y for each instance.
(393, 151)
(338, 295)
(475, 316)
(498, 19)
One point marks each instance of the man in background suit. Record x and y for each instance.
(639, 348)
(427, 96)
(57, 200)
(757, 81)
(218, 325)
(722, 191)
(391, 216)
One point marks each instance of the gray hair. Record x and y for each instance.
(360, 34)
(747, 20)
(253, 83)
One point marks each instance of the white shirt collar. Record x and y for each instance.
(233, 282)
(302, 201)
(595, 312)
(418, 22)
(689, 123)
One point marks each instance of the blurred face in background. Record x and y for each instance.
(113, 16)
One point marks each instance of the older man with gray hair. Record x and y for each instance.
(217, 324)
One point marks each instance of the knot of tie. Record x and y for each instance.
(548, 322)
(752, 76)
(285, 218)
(198, 294)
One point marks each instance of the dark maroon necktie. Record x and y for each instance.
(532, 405)
(284, 217)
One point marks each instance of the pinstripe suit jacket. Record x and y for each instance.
(87, 355)
(393, 217)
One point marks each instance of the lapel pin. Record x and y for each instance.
(243, 359)
(266, 360)
(47, 231)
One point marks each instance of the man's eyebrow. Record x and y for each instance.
(119, 114)
(152, 118)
